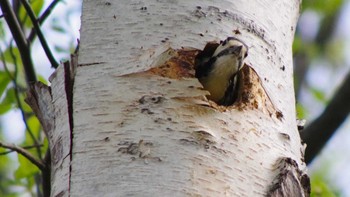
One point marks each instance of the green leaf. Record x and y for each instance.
(297, 44)
(35, 128)
(36, 6)
(8, 102)
(42, 80)
(5, 160)
(320, 187)
(34, 125)
(327, 7)
(26, 169)
(301, 111)
(45, 146)
(30, 182)
(25, 107)
(5, 80)
(2, 30)
(4, 108)
(12, 57)
(318, 95)
(11, 101)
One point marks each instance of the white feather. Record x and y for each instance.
(225, 66)
(218, 79)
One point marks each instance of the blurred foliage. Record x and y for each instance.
(326, 7)
(301, 111)
(320, 188)
(319, 95)
(26, 177)
(4, 165)
(325, 47)
(37, 6)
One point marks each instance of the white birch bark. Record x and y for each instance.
(146, 135)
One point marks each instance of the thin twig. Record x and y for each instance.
(39, 33)
(25, 153)
(14, 81)
(42, 18)
(24, 147)
(20, 40)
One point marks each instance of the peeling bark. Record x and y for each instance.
(54, 111)
(291, 181)
(137, 122)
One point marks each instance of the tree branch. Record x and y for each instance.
(39, 33)
(20, 40)
(25, 153)
(42, 18)
(46, 174)
(320, 130)
(24, 147)
(14, 81)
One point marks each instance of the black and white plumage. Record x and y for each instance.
(218, 72)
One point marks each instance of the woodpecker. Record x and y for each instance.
(218, 72)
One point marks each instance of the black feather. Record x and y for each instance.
(231, 50)
(203, 69)
(231, 92)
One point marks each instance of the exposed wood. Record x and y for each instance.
(141, 123)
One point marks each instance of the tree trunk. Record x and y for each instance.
(139, 123)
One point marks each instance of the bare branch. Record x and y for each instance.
(42, 18)
(39, 33)
(24, 147)
(320, 130)
(14, 81)
(26, 154)
(20, 40)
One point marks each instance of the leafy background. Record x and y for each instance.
(18, 176)
(321, 63)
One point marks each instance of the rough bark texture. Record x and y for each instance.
(60, 138)
(140, 128)
(52, 106)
